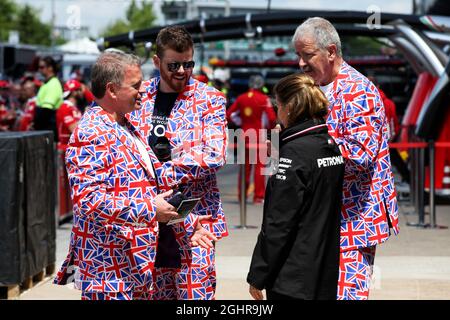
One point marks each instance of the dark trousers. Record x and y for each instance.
(272, 295)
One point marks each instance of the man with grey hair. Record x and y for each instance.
(357, 122)
(256, 82)
(117, 205)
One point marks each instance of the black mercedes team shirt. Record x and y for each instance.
(167, 255)
(297, 252)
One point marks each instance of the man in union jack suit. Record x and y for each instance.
(117, 202)
(357, 122)
(184, 121)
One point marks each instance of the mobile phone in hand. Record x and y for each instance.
(176, 199)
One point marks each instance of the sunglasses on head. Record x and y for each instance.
(174, 66)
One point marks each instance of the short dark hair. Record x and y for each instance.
(176, 38)
(302, 97)
(50, 62)
(110, 67)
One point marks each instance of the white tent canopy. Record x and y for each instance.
(83, 45)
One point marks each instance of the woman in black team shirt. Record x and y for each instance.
(297, 252)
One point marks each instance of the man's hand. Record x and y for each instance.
(201, 236)
(164, 210)
(256, 293)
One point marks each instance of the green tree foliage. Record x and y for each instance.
(8, 11)
(117, 27)
(31, 29)
(136, 18)
(132, 9)
(142, 18)
(24, 19)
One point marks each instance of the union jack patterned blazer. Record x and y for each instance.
(197, 131)
(114, 236)
(357, 122)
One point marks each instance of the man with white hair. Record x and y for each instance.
(357, 122)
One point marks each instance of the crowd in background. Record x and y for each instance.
(20, 106)
(40, 101)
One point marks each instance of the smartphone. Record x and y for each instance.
(176, 199)
(184, 209)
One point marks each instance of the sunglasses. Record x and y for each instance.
(174, 66)
(41, 66)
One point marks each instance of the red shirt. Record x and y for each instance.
(66, 115)
(7, 115)
(391, 115)
(27, 118)
(255, 110)
(88, 95)
(3, 114)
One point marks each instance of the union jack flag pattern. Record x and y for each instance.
(195, 280)
(355, 273)
(357, 122)
(115, 296)
(197, 131)
(114, 235)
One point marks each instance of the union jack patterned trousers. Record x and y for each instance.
(355, 273)
(195, 280)
(127, 295)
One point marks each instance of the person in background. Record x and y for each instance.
(357, 122)
(88, 97)
(67, 117)
(69, 113)
(253, 111)
(394, 130)
(219, 84)
(49, 97)
(7, 115)
(29, 90)
(201, 76)
(297, 253)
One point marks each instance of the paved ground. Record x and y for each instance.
(414, 265)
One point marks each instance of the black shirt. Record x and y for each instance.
(163, 106)
(168, 254)
(297, 252)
